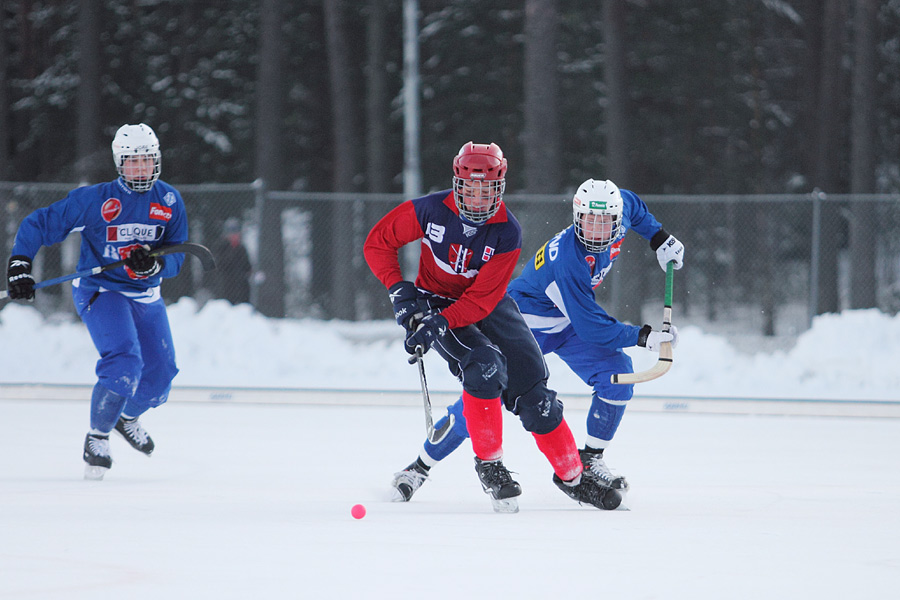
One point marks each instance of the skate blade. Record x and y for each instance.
(506, 505)
(93, 473)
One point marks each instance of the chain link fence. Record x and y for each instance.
(754, 264)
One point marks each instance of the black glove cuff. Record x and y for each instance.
(397, 286)
(24, 268)
(158, 263)
(658, 238)
(643, 334)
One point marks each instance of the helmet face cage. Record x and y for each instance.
(479, 181)
(136, 141)
(470, 196)
(593, 201)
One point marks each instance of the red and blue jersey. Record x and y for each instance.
(471, 264)
(112, 220)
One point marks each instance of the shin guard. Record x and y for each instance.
(560, 449)
(106, 406)
(484, 420)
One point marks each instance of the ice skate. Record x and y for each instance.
(96, 456)
(499, 484)
(590, 491)
(407, 481)
(592, 460)
(135, 434)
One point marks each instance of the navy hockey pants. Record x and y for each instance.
(522, 375)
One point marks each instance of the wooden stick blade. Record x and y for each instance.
(661, 367)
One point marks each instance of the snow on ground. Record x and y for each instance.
(848, 356)
(249, 501)
(246, 500)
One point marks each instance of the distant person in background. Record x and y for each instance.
(233, 273)
(122, 308)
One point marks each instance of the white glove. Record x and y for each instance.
(670, 250)
(657, 338)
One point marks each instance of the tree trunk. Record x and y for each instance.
(627, 288)
(828, 158)
(346, 217)
(863, 230)
(377, 101)
(543, 171)
(269, 159)
(92, 159)
(5, 132)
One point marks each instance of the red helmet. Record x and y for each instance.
(479, 179)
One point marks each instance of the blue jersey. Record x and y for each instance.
(555, 291)
(112, 220)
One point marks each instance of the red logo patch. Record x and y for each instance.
(160, 212)
(459, 258)
(616, 248)
(111, 209)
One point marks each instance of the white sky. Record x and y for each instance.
(253, 501)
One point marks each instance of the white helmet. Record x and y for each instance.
(598, 198)
(136, 140)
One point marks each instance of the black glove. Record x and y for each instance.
(432, 327)
(20, 284)
(404, 298)
(143, 265)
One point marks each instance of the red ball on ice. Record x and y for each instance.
(358, 511)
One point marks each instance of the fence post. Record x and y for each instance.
(816, 239)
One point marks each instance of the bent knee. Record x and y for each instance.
(539, 409)
(484, 372)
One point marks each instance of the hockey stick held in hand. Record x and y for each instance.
(665, 350)
(201, 252)
(434, 435)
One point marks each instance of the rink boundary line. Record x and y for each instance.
(348, 397)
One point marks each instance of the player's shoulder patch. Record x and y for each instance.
(539, 257)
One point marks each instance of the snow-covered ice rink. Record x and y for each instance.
(253, 501)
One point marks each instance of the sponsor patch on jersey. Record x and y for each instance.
(160, 212)
(468, 230)
(591, 261)
(615, 249)
(134, 232)
(539, 257)
(169, 198)
(111, 209)
(487, 254)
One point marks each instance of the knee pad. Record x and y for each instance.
(539, 409)
(484, 372)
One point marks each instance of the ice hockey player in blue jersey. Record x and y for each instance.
(555, 295)
(122, 308)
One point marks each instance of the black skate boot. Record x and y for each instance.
(499, 484)
(407, 481)
(592, 460)
(96, 456)
(135, 434)
(589, 491)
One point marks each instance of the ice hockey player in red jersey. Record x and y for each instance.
(470, 243)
